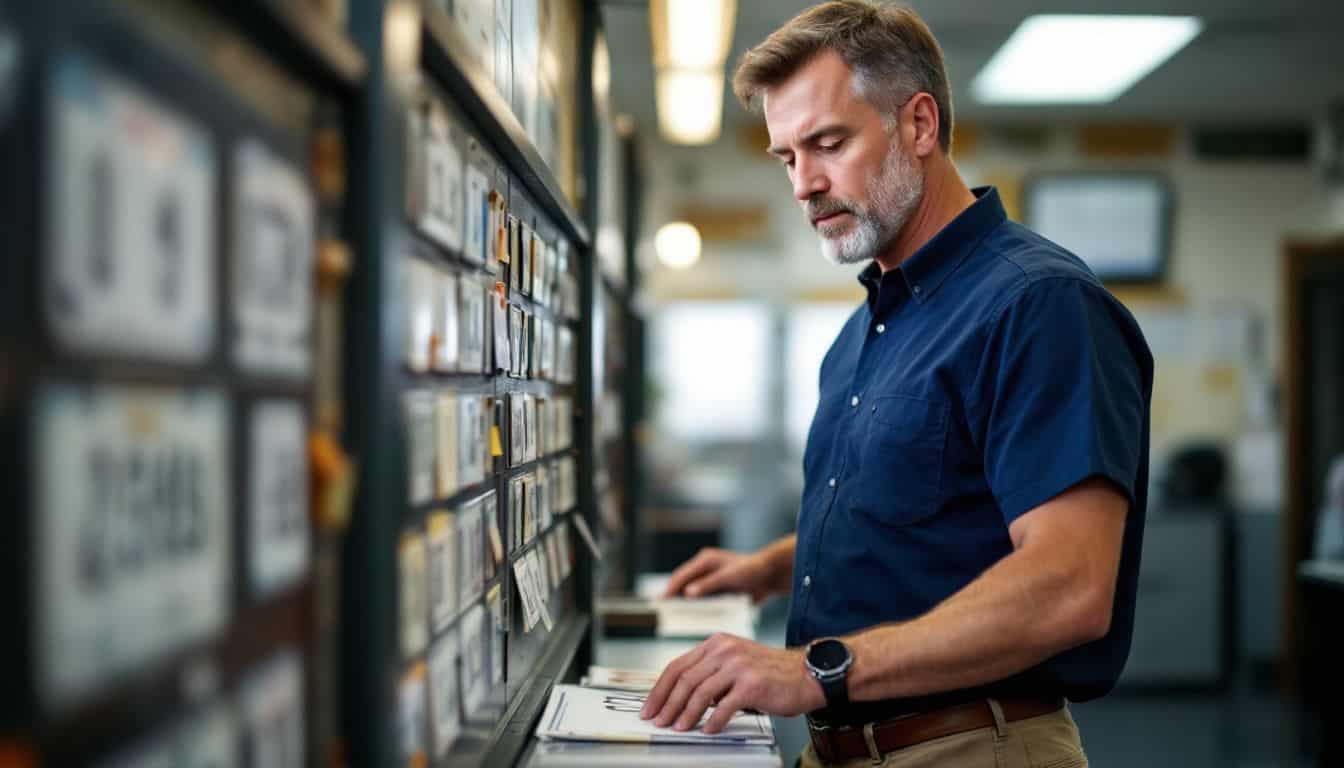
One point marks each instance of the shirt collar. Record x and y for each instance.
(923, 273)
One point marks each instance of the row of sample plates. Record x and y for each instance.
(538, 426)
(132, 219)
(134, 521)
(452, 317)
(444, 568)
(455, 199)
(460, 684)
(504, 38)
(541, 570)
(537, 496)
(453, 437)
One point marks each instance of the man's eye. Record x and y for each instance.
(831, 147)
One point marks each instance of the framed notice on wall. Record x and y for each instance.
(1118, 223)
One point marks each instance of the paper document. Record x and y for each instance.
(581, 754)
(703, 616)
(621, 679)
(684, 617)
(575, 713)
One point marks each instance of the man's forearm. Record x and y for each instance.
(777, 558)
(1019, 613)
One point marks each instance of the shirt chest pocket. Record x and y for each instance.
(901, 467)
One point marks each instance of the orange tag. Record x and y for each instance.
(496, 444)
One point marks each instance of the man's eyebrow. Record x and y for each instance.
(811, 138)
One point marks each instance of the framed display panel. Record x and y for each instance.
(157, 420)
(439, 573)
(471, 446)
(1118, 223)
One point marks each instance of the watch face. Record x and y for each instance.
(826, 655)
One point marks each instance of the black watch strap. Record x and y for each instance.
(836, 690)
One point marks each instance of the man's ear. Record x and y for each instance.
(924, 121)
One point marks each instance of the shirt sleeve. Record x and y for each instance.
(1064, 389)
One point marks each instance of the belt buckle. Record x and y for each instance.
(816, 733)
(871, 741)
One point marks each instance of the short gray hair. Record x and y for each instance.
(890, 50)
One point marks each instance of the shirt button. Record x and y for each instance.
(807, 581)
(854, 402)
(831, 482)
(881, 327)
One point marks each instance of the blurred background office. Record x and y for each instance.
(1194, 158)
(351, 350)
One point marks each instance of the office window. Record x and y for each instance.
(811, 330)
(709, 361)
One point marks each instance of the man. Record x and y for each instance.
(975, 476)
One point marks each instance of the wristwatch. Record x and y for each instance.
(829, 660)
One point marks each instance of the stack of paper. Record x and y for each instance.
(682, 617)
(577, 754)
(575, 713)
(620, 679)
(703, 616)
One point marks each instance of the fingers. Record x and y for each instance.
(703, 697)
(682, 693)
(703, 563)
(723, 712)
(708, 584)
(668, 680)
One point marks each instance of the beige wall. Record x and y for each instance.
(1230, 219)
(1230, 222)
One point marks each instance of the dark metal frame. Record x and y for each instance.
(137, 704)
(377, 379)
(353, 73)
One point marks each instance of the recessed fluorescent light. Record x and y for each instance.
(690, 44)
(690, 105)
(1058, 59)
(699, 32)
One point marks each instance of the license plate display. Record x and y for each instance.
(130, 221)
(132, 534)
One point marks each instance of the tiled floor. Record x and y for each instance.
(1241, 729)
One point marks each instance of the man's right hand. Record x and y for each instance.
(715, 570)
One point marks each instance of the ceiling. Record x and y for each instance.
(1254, 62)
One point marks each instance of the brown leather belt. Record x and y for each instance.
(836, 744)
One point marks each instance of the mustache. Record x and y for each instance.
(821, 207)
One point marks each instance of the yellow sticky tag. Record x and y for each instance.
(496, 445)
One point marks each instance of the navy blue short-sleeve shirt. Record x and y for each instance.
(986, 375)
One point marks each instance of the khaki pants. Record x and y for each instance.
(1048, 741)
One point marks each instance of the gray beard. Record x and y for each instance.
(894, 193)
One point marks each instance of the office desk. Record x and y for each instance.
(641, 653)
(1321, 584)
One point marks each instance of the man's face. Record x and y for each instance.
(855, 182)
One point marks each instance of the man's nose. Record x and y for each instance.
(808, 180)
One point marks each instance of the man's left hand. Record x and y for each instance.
(731, 674)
